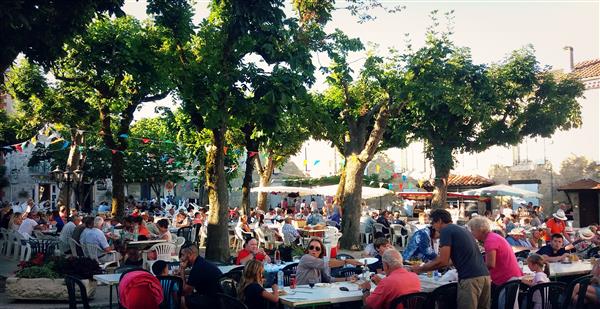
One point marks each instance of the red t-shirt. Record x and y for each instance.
(244, 253)
(555, 227)
(399, 282)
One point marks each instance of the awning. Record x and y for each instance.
(285, 189)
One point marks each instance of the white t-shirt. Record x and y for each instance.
(26, 228)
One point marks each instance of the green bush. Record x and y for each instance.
(37, 272)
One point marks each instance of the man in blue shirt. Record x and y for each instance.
(420, 245)
(554, 252)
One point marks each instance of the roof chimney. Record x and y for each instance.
(571, 64)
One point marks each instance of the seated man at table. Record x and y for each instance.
(67, 232)
(516, 238)
(290, 234)
(28, 225)
(398, 282)
(420, 245)
(251, 251)
(204, 278)
(381, 245)
(93, 235)
(554, 252)
(315, 218)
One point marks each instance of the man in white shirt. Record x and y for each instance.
(26, 228)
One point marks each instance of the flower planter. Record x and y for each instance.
(43, 288)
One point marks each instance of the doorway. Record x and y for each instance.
(588, 207)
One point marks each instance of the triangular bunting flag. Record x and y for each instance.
(114, 151)
(377, 168)
(18, 147)
(225, 150)
(124, 135)
(145, 140)
(316, 162)
(252, 153)
(65, 145)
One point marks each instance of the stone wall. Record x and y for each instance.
(572, 169)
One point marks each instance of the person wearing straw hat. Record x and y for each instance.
(583, 243)
(516, 238)
(557, 225)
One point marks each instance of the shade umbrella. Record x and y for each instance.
(503, 190)
(367, 192)
(284, 189)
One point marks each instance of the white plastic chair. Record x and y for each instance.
(73, 244)
(165, 251)
(4, 241)
(94, 252)
(399, 232)
(179, 242)
(20, 246)
(378, 227)
(363, 232)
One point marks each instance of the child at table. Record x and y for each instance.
(251, 291)
(541, 270)
(161, 268)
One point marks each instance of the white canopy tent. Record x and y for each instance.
(367, 192)
(285, 189)
(503, 190)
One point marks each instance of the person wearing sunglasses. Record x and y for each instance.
(312, 268)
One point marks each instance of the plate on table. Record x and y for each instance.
(369, 260)
(323, 285)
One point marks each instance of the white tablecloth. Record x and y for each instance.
(559, 269)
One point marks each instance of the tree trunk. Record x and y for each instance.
(265, 174)
(246, 184)
(118, 184)
(251, 147)
(351, 204)
(66, 193)
(339, 195)
(442, 162)
(217, 242)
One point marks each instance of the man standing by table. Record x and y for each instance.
(397, 283)
(456, 243)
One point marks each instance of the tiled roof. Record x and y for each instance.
(463, 181)
(587, 69)
(582, 184)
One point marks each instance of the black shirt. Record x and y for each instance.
(547, 250)
(377, 265)
(204, 277)
(464, 252)
(253, 296)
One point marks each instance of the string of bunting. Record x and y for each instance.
(53, 136)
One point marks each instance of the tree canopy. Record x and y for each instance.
(39, 28)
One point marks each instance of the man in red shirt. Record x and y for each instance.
(251, 251)
(398, 282)
(557, 225)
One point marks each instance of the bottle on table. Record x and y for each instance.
(277, 257)
(136, 231)
(280, 278)
(293, 281)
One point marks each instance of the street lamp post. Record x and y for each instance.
(65, 179)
